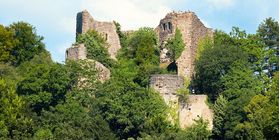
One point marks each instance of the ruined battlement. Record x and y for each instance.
(192, 30)
(85, 22)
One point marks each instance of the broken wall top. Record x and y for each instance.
(85, 22)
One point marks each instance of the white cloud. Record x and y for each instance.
(131, 14)
(220, 4)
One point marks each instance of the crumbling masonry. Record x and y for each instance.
(168, 85)
(86, 22)
(192, 30)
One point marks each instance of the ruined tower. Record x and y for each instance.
(85, 22)
(192, 30)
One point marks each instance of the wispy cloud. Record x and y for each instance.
(132, 14)
(220, 4)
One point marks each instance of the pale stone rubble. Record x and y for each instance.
(168, 85)
(78, 52)
(192, 31)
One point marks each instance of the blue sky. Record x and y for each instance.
(55, 19)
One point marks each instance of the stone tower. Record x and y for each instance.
(85, 22)
(192, 30)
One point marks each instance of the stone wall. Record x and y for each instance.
(85, 22)
(192, 30)
(196, 108)
(103, 73)
(76, 52)
(168, 85)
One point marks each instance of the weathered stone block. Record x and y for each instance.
(86, 22)
(76, 52)
(192, 30)
(168, 85)
(196, 108)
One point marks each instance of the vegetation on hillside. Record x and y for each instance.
(41, 99)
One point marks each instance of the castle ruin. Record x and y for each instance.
(85, 22)
(192, 30)
(167, 85)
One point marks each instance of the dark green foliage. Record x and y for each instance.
(121, 35)
(13, 121)
(175, 45)
(73, 121)
(142, 50)
(7, 43)
(45, 86)
(263, 114)
(220, 109)
(240, 85)
(252, 45)
(131, 109)
(96, 47)
(142, 46)
(269, 33)
(198, 131)
(29, 43)
(210, 68)
(40, 99)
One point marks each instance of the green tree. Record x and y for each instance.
(142, 49)
(142, 46)
(213, 64)
(7, 43)
(96, 47)
(175, 45)
(45, 86)
(198, 131)
(268, 30)
(252, 45)
(29, 43)
(73, 121)
(263, 114)
(204, 43)
(131, 110)
(220, 110)
(121, 35)
(14, 123)
(240, 86)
